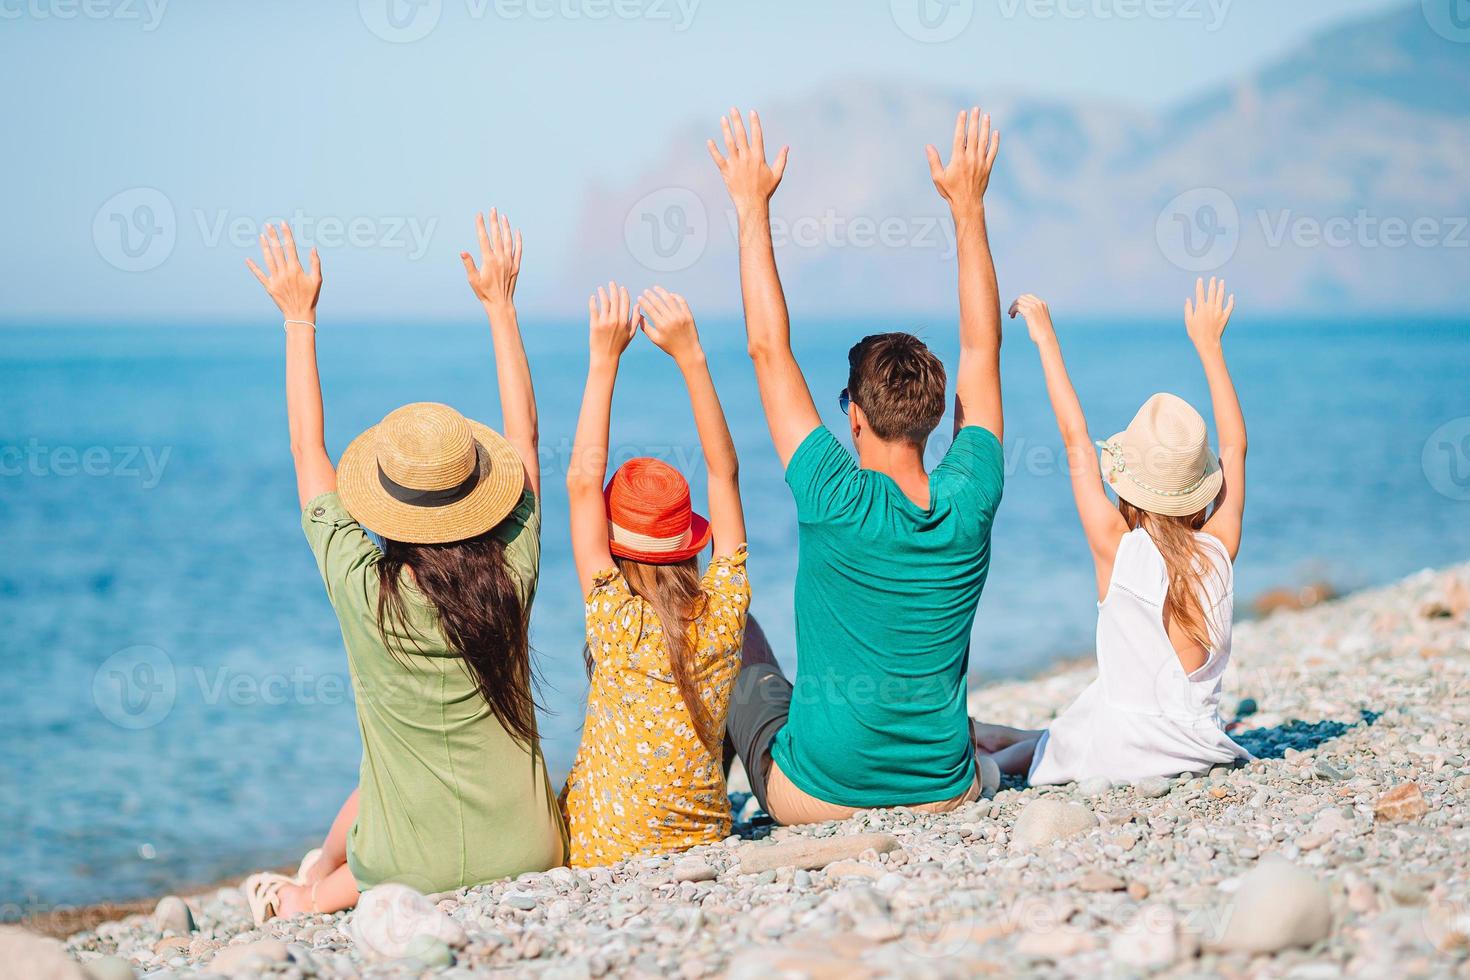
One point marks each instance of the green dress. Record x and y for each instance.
(447, 798)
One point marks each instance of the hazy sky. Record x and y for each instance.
(394, 119)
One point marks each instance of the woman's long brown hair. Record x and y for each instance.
(1187, 563)
(480, 612)
(677, 598)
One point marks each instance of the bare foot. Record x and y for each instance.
(293, 900)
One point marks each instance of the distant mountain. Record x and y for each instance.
(1336, 179)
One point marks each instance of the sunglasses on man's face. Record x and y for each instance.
(844, 401)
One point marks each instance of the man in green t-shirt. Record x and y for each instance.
(892, 558)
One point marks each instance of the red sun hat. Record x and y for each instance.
(649, 517)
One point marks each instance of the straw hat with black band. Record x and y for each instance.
(1163, 462)
(428, 475)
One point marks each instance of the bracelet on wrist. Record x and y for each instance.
(302, 323)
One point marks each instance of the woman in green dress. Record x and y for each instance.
(453, 789)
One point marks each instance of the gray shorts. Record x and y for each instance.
(759, 707)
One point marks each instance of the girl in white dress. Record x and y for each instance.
(1165, 585)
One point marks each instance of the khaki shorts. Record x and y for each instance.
(787, 804)
(758, 710)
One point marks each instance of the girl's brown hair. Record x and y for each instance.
(1187, 563)
(480, 611)
(675, 593)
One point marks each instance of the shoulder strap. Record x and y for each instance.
(1139, 568)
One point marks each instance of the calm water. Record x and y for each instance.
(175, 707)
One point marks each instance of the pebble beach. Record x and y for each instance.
(1343, 849)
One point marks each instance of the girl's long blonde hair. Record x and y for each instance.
(677, 597)
(1188, 565)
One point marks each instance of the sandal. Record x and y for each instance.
(263, 894)
(308, 861)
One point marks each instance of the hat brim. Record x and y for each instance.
(699, 536)
(1166, 505)
(502, 481)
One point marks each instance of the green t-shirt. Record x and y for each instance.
(885, 599)
(447, 798)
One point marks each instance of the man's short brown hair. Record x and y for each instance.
(899, 384)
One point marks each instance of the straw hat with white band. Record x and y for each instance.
(428, 475)
(1163, 462)
(649, 516)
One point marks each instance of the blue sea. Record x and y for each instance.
(175, 706)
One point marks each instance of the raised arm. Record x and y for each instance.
(670, 325)
(295, 291)
(1102, 522)
(611, 330)
(1205, 319)
(494, 282)
(963, 184)
(787, 401)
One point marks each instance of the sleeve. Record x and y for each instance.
(725, 581)
(609, 606)
(521, 532)
(345, 555)
(974, 468)
(823, 478)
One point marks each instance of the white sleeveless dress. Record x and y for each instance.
(1144, 716)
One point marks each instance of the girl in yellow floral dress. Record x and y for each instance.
(663, 640)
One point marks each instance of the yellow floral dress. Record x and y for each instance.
(643, 783)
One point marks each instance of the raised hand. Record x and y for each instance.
(494, 279)
(294, 289)
(669, 324)
(1038, 317)
(612, 324)
(963, 181)
(748, 178)
(1206, 316)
